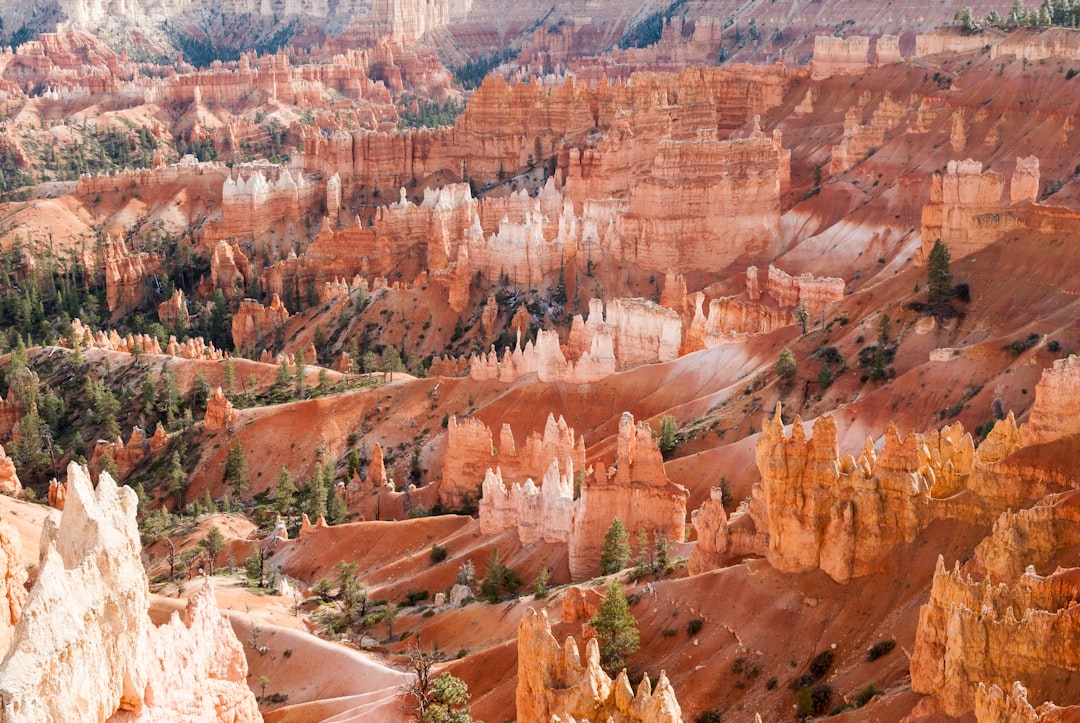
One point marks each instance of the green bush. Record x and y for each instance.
(881, 649)
(821, 663)
(694, 626)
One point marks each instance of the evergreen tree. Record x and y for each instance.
(285, 495)
(939, 276)
(214, 545)
(337, 511)
(802, 315)
(177, 480)
(785, 366)
(497, 579)
(669, 434)
(236, 471)
(616, 629)
(228, 377)
(106, 463)
(316, 506)
(616, 553)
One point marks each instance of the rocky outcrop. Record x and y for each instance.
(839, 56)
(84, 648)
(818, 511)
(9, 478)
(126, 274)
(219, 412)
(86, 615)
(994, 705)
(1038, 539)
(542, 513)
(862, 139)
(230, 269)
(173, 311)
(1025, 181)
(471, 453)
(196, 669)
(951, 41)
(974, 632)
(253, 322)
(554, 683)
(112, 341)
(1056, 410)
(1038, 45)
(966, 211)
(13, 578)
(635, 489)
(127, 456)
(257, 200)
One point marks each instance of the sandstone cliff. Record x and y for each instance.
(13, 578)
(554, 684)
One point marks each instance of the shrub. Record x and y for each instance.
(694, 626)
(821, 663)
(414, 596)
(669, 632)
(771, 684)
(438, 553)
(880, 649)
(710, 716)
(865, 695)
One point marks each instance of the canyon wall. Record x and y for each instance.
(704, 203)
(861, 140)
(554, 683)
(635, 489)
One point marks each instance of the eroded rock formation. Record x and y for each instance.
(84, 648)
(554, 683)
(9, 478)
(253, 322)
(839, 56)
(219, 412)
(635, 489)
(471, 453)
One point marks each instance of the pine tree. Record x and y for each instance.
(316, 507)
(106, 463)
(785, 366)
(802, 315)
(337, 511)
(236, 471)
(177, 480)
(616, 553)
(669, 434)
(939, 277)
(285, 495)
(616, 629)
(213, 544)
